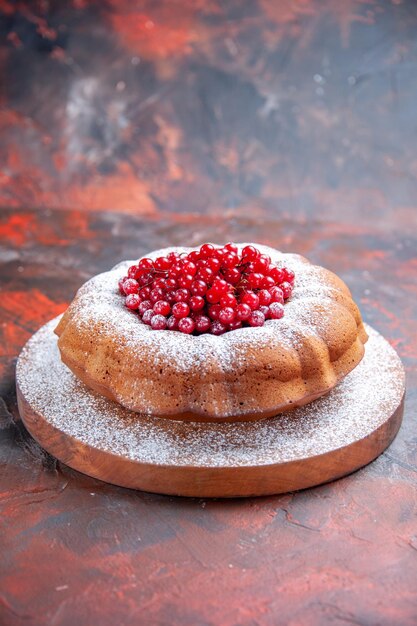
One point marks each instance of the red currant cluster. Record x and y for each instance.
(208, 290)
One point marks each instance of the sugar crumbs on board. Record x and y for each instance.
(350, 411)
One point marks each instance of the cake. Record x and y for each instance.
(240, 370)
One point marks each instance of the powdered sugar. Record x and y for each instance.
(99, 302)
(355, 408)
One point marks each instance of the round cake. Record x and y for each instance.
(252, 372)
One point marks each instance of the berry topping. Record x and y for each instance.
(217, 328)
(130, 285)
(145, 305)
(214, 311)
(276, 311)
(132, 301)
(197, 303)
(158, 322)
(156, 294)
(256, 318)
(202, 323)
(186, 325)
(251, 299)
(286, 290)
(121, 288)
(162, 307)
(172, 323)
(180, 309)
(226, 315)
(264, 296)
(235, 325)
(145, 264)
(147, 316)
(228, 300)
(243, 311)
(209, 290)
(250, 253)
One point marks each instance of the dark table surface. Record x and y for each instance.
(127, 126)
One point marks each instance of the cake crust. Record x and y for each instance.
(247, 374)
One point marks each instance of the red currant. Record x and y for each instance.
(228, 300)
(277, 295)
(158, 322)
(202, 323)
(232, 276)
(132, 301)
(205, 274)
(145, 305)
(186, 325)
(156, 294)
(145, 292)
(250, 253)
(230, 260)
(206, 251)
(276, 310)
(175, 270)
(226, 315)
(173, 257)
(243, 311)
(255, 280)
(217, 328)
(120, 284)
(276, 274)
(147, 316)
(286, 289)
(267, 282)
(219, 254)
(145, 264)
(170, 296)
(262, 263)
(250, 298)
(162, 263)
(131, 272)
(220, 286)
(190, 268)
(193, 256)
(182, 295)
(212, 296)
(171, 283)
(172, 323)
(185, 281)
(289, 275)
(159, 283)
(264, 297)
(145, 278)
(214, 264)
(214, 311)
(257, 318)
(130, 286)
(161, 307)
(213, 289)
(180, 309)
(198, 287)
(197, 303)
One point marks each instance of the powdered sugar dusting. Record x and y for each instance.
(355, 408)
(98, 302)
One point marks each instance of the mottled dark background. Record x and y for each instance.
(128, 125)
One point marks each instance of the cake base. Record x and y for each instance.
(314, 444)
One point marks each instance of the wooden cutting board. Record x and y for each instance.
(317, 443)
